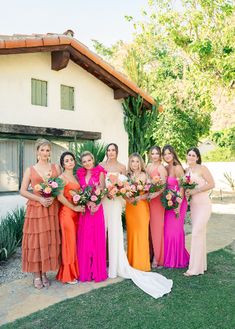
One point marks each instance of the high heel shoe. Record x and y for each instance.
(37, 283)
(45, 281)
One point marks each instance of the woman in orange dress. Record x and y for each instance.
(41, 232)
(68, 217)
(137, 219)
(156, 169)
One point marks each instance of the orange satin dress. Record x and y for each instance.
(137, 223)
(68, 218)
(41, 232)
(157, 212)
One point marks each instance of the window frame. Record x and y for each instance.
(33, 93)
(69, 88)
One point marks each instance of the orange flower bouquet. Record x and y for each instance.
(171, 199)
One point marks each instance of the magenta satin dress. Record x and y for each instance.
(91, 240)
(175, 253)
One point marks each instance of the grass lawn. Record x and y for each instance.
(202, 302)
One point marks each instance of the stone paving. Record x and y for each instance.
(18, 298)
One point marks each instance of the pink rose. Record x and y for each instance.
(140, 187)
(76, 198)
(133, 187)
(170, 203)
(94, 198)
(97, 191)
(54, 185)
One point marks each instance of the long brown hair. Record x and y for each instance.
(170, 148)
(157, 148)
(195, 150)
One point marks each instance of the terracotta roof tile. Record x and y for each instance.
(37, 40)
(15, 43)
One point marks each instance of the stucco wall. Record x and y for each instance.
(95, 107)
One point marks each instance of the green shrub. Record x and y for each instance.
(220, 154)
(11, 232)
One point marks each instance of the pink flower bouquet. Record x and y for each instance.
(51, 187)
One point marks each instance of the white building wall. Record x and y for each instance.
(95, 107)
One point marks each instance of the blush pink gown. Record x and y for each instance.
(175, 253)
(200, 207)
(157, 226)
(91, 240)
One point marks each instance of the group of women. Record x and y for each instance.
(59, 235)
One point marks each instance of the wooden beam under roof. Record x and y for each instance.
(59, 59)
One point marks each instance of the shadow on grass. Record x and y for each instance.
(201, 302)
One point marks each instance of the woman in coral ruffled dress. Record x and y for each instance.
(41, 232)
(69, 216)
(91, 244)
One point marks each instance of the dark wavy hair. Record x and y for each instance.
(176, 160)
(63, 155)
(196, 150)
(110, 144)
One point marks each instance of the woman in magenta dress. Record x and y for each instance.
(175, 253)
(157, 211)
(91, 245)
(200, 209)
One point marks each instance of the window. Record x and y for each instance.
(18, 154)
(67, 98)
(38, 92)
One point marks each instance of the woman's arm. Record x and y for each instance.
(210, 183)
(25, 193)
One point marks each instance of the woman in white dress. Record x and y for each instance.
(153, 284)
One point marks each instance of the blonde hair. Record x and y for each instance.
(85, 153)
(142, 165)
(41, 142)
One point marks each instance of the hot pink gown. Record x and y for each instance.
(157, 226)
(175, 253)
(91, 240)
(200, 214)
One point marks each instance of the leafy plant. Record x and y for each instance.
(139, 123)
(11, 232)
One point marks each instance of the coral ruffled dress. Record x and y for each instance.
(41, 232)
(68, 223)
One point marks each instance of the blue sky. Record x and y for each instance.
(98, 19)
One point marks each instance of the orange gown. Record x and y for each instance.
(137, 223)
(41, 232)
(68, 218)
(157, 212)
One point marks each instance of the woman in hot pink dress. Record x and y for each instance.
(200, 208)
(175, 253)
(91, 245)
(155, 168)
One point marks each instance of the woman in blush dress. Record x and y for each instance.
(41, 231)
(175, 253)
(68, 217)
(200, 208)
(157, 211)
(91, 245)
(153, 284)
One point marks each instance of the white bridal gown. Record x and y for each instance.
(154, 284)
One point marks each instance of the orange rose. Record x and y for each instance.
(47, 190)
(37, 187)
(170, 203)
(168, 196)
(123, 190)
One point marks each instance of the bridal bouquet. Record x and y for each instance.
(50, 187)
(116, 185)
(135, 189)
(171, 199)
(156, 184)
(187, 183)
(79, 198)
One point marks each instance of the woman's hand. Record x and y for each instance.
(187, 193)
(46, 202)
(154, 195)
(79, 209)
